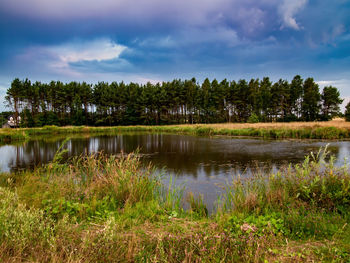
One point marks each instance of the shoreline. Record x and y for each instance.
(332, 130)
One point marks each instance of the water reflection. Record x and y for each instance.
(199, 163)
(189, 156)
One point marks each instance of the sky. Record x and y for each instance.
(159, 40)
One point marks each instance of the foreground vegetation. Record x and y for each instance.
(110, 209)
(337, 129)
(175, 102)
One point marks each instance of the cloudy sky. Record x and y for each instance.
(156, 40)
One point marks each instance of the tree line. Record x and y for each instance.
(173, 102)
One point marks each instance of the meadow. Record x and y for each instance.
(111, 209)
(335, 129)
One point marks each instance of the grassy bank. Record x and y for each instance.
(110, 209)
(314, 130)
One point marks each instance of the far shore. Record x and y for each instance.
(335, 129)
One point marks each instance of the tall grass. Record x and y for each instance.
(316, 182)
(111, 209)
(91, 187)
(311, 200)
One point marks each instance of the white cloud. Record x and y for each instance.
(288, 9)
(58, 58)
(100, 49)
(342, 84)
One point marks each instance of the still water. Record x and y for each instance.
(201, 164)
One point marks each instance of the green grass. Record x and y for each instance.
(111, 209)
(12, 135)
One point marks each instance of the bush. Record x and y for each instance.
(253, 118)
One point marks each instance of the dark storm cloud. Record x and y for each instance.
(157, 39)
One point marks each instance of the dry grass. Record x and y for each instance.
(337, 123)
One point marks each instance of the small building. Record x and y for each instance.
(11, 123)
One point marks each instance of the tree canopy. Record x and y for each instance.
(175, 102)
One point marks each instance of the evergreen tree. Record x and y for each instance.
(295, 98)
(330, 102)
(311, 100)
(74, 103)
(265, 95)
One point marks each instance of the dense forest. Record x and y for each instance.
(175, 102)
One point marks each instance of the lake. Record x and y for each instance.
(201, 164)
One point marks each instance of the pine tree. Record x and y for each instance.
(330, 102)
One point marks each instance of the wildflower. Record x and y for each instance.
(246, 227)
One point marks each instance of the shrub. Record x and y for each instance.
(253, 118)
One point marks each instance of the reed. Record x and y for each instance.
(315, 182)
(91, 187)
(311, 200)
